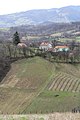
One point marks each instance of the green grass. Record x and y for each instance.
(57, 101)
(49, 101)
(36, 70)
(65, 39)
(4, 29)
(52, 94)
(23, 83)
(25, 87)
(56, 34)
(78, 39)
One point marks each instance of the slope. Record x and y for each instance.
(60, 15)
(24, 81)
(61, 94)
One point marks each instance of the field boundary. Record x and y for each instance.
(54, 116)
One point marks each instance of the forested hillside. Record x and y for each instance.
(33, 17)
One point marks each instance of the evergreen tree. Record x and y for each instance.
(16, 38)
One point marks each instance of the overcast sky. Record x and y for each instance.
(12, 6)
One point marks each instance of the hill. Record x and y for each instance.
(23, 83)
(36, 85)
(33, 17)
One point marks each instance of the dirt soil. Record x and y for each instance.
(54, 116)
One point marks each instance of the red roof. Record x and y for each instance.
(62, 46)
(44, 43)
(21, 45)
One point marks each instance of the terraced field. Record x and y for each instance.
(62, 92)
(65, 82)
(36, 85)
(23, 83)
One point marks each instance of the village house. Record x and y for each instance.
(61, 49)
(21, 45)
(23, 40)
(45, 46)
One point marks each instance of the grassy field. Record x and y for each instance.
(35, 85)
(23, 83)
(62, 93)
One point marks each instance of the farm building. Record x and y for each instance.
(61, 48)
(21, 45)
(45, 46)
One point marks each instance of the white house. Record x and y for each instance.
(45, 46)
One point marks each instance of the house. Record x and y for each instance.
(21, 45)
(45, 46)
(23, 40)
(61, 49)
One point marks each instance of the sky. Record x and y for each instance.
(13, 6)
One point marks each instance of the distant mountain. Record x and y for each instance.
(32, 17)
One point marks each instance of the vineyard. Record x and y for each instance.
(35, 85)
(64, 82)
(62, 89)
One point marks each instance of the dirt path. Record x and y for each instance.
(55, 116)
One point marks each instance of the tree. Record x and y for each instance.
(9, 50)
(24, 51)
(16, 38)
(73, 44)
